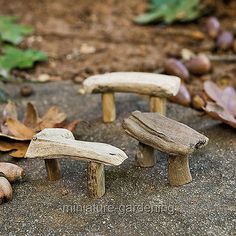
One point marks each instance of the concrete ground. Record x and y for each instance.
(137, 201)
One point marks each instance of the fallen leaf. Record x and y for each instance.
(224, 108)
(10, 137)
(213, 91)
(31, 116)
(10, 111)
(52, 118)
(229, 99)
(15, 135)
(217, 112)
(18, 149)
(71, 126)
(19, 130)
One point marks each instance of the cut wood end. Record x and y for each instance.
(134, 82)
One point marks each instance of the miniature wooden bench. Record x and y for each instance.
(54, 143)
(157, 86)
(153, 130)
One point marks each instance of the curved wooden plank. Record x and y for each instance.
(164, 134)
(133, 82)
(47, 145)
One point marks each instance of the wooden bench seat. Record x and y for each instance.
(157, 86)
(53, 144)
(153, 130)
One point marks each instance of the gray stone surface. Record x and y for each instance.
(137, 201)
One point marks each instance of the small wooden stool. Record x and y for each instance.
(157, 86)
(54, 143)
(153, 130)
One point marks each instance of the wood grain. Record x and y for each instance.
(49, 145)
(96, 179)
(133, 82)
(108, 107)
(178, 170)
(164, 134)
(145, 156)
(158, 105)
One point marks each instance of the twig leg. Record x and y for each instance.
(108, 107)
(96, 179)
(145, 156)
(53, 169)
(178, 170)
(157, 104)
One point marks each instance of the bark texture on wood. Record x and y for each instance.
(164, 134)
(178, 170)
(53, 169)
(145, 156)
(158, 105)
(108, 107)
(133, 82)
(96, 179)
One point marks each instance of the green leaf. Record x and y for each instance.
(12, 32)
(17, 58)
(169, 11)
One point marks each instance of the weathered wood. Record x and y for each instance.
(96, 179)
(178, 170)
(164, 134)
(53, 169)
(158, 105)
(145, 156)
(46, 145)
(108, 107)
(133, 82)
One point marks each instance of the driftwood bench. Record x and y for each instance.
(157, 86)
(154, 131)
(53, 144)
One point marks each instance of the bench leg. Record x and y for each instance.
(157, 104)
(53, 169)
(108, 107)
(145, 156)
(96, 179)
(178, 170)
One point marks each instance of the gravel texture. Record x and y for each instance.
(137, 201)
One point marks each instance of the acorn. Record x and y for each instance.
(5, 189)
(177, 68)
(198, 102)
(183, 96)
(225, 40)
(199, 65)
(26, 90)
(213, 27)
(11, 171)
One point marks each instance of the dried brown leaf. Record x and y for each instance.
(18, 149)
(213, 91)
(31, 116)
(217, 112)
(19, 130)
(71, 126)
(10, 137)
(229, 100)
(10, 111)
(52, 118)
